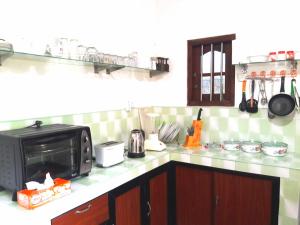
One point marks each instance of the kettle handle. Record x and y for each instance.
(143, 133)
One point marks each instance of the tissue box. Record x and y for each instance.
(61, 187)
(31, 199)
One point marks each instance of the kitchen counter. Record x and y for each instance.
(289, 161)
(102, 180)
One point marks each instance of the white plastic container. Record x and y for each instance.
(281, 55)
(109, 153)
(257, 58)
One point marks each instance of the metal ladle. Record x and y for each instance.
(262, 89)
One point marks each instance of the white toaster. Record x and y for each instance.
(109, 153)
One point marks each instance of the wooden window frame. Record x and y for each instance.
(193, 71)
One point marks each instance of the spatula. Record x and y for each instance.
(252, 104)
(243, 103)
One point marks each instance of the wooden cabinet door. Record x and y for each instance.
(158, 199)
(194, 193)
(94, 212)
(242, 200)
(128, 207)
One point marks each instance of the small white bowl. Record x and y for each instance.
(297, 55)
(251, 146)
(274, 148)
(231, 145)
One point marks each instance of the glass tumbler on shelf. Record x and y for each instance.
(120, 60)
(101, 57)
(126, 61)
(114, 59)
(64, 47)
(73, 51)
(56, 48)
(92, 54)
(153, 61)
(81, 52)
(133, 57)
(106, 58)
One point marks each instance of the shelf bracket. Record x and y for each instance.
(109, 68)
(244, 68)
(5, 55)
(156, 72)
(294, 64)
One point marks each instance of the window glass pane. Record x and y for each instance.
(217, 61)
(206, 85)
(206, 62)
(217, 80)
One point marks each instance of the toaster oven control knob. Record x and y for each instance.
(85, 139)
(86, 150)
(87, 161)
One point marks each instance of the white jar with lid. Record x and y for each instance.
(281, 55)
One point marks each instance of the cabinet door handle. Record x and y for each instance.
(84, 210)
(149, 208)
(217, 200)
(211, 71)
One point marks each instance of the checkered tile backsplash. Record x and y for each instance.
(105, 126)
(228, 123)
(219, 124)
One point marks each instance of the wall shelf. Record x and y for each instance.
(267, 70)
(109, 68)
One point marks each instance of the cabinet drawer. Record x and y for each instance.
(93, 212)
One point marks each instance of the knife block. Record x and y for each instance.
(194, 141)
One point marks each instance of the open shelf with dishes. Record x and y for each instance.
(267, 70)
(98, 66)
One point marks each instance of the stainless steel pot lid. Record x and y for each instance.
(250, 143)
(274, 144)
(275, 148)
(231, 142)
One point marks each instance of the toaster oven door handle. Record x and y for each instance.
(84, 210)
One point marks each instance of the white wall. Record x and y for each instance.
(30, 88)
(260, 27)
(150, 27)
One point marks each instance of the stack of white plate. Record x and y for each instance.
(168, 132)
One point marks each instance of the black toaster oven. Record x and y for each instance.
(27, 154)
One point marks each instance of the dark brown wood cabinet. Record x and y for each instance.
(128, 207)
(158, 199)
(142, 201)
(183, 194)
(212, 197)
(194, 193)
(94, 212)
(242, 200)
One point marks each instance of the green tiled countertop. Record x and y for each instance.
(99, 181)
(102, 180)
(289, 161)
